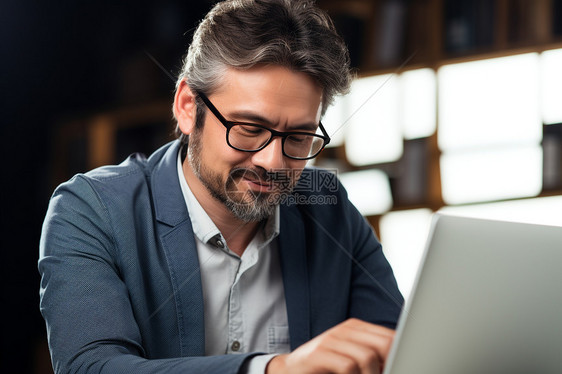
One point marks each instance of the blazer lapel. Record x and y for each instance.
(177, 238)
(293, 255)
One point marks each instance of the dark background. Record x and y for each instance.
(66, 59)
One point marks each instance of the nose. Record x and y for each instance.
(271, 157)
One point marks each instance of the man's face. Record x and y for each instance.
(251, 185)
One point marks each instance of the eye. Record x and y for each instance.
(249, 130)
(299, 139)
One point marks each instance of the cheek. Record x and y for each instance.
(218, 155)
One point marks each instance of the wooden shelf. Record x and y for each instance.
(91, 141)
(432, 32)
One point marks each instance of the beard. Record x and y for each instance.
(245, 204)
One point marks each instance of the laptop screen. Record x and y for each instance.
(487, 299)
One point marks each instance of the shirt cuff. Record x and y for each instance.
(256, 364)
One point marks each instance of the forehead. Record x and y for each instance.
(272, 90)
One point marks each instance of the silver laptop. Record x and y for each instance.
(487, 299)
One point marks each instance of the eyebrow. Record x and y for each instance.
(245, 116)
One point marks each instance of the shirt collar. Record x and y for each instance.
(203, 226)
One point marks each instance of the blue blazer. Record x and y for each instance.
(120, 283)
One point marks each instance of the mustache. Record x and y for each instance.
(259, 174)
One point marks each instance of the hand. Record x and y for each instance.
(352, 347)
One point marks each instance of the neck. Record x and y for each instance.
(237, 233)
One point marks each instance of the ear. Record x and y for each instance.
(184, 108)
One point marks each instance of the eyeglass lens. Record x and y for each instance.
(252, 138)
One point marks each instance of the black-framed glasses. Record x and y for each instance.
(250, 137)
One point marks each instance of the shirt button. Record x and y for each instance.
(235, 346)
(220, 244)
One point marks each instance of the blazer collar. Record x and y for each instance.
(178, 244)
(169, 204)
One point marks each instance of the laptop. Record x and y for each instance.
(487, 299)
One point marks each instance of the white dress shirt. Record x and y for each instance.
(244, 298)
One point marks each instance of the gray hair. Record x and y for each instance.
(243, 33)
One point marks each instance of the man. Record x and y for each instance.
(200, 259)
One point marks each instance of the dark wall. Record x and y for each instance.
(69, 59)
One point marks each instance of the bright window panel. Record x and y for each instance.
(334, 121)
(541, 211)
(551, 86)
(469, 177)
(368, 190)
(403, 236)
(489, 102)
(419, 96)
(374, 135)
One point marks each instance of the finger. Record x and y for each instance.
(358, 324)
(379, 342)
(321, 360)
(366, 359)
(337, 363)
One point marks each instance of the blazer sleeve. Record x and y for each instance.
(85, 303)
(374, 293)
